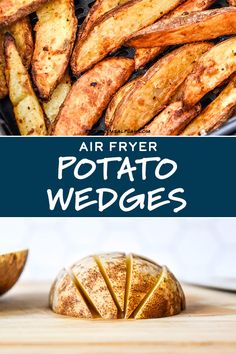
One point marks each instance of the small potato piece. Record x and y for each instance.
(13, 10)
(171, 121)
(165, 299)
(65, 298)
(90, 95)
(55, 36)
(115, 27)
(197, 26)
(11, 267)
(52, 107)
(211, 70)
(215, 114)
(28, 112)
(91, 280)
(152, 92)
(144, 55)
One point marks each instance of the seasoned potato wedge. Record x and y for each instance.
(28, 112)
(13, 10)
(52, 107)
(197, 26)
(11, 267)
(144, 55)
(211, 70)
(90, 95)
(55, 36)
(152, 92)
(171, 121)
(64, 291)
(3, 83)
(165, 299)
(215, 114)
(114, 28)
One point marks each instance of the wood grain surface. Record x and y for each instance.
(27, 326)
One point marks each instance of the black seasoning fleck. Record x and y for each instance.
(94, 84)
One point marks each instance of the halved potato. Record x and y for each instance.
(111, 30)
(215, 114)
(28, 112)
(55, 36)
(153, 91)
(11, 267)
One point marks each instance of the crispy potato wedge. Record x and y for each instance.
(152, 92)
(197, 26)
(145, 55)
(65, 298)
(114, 28)
(55, 36)
(166, 298)
(215, 66)
(28, 112)
(13, 10)
(171, 121)
(90, 95)
(3, 83)
(215, 114)
(113, 268)
(142, 276)
(89, 277)
(11, 267)
(52, 107)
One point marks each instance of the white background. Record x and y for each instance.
(192, 248)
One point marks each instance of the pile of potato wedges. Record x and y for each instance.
(62, 80)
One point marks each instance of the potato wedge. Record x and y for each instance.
(215, 66)
(164, 299)
(52, 107)
(13, 10)
(197, 26)
(171, 121)
(113, 268)
(93, 284)
(115, 27)
(232, 2)
(90, 95)
(145, 55)
(55, 36)
(152, 92)
(28, 112)
(11, 267)
(3, 83)
(65, 298)
(215, 114)
(142, 276)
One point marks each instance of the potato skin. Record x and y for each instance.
(90, 95)
(13, 10)
(197, 26)
(55, 36)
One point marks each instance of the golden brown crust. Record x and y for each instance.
(13, 10)
(111, 30)
(55, 36)
(171, 121)
(11, 267)
(197, 26)
(3, 83)
(153, 91)
(90, 95)
(232, 2)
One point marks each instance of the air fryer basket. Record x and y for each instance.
(7, 121)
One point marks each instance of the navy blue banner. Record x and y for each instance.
(116, 177)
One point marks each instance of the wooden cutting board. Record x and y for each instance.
(27, 326)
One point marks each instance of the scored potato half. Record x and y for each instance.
(115, 286)
(11, 267)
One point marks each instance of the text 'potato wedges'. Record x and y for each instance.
(13, 10)
(194, 27)
(55, 36)
(152, 92)
(115, 27)
(28, 112)
(90, 95)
